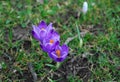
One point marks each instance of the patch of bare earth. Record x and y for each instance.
(75, 66)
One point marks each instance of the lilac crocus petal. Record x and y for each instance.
(53, 35)
(42, 24)
(35, 32)
(38, 33)
(60, 53)
(49, 27)
(50, 42)
(65, 50)
(48, 47)
(42, 34)
(42, 31)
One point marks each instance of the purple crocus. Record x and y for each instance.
(50, 42)
(60, 53)
(41, 31)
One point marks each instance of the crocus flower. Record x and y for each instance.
(85, 7)
(50, 41)
(60, 53)
(40, 32)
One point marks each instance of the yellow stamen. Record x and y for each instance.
(51, 41)
(42, 28)
(58, 53)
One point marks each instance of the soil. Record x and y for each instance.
(8, 56)
(74, 67)
(18, 33)
(15, 74)
(93, 29)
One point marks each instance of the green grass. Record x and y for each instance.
(105, 44)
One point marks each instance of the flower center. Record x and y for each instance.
(51, 41)
(42, 28)
(58, 53)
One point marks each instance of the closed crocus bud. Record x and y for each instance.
(85, 7)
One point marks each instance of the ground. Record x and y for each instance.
(97, 60)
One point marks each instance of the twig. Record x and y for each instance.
(8, 56)
(32, 72)
(46, 75)
(72, 38)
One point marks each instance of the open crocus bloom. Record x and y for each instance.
(40, 32)
(50, 42)
(60, 53)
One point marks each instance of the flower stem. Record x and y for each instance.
(58, 65)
